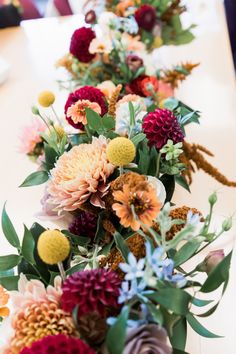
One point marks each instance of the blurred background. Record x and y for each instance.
(13, 11)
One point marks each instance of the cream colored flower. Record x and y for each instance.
(100, 46)
(107, 87)
(81, 175)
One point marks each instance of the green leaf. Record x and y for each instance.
(156, 313)
(121, 245)
(218, 275)
(9, 230)
(173, 299)
(132, 114)
(199, 328)
(28, 245)
(76, 268)
(50, 156)
(185, 252)
(182, 182)
(108, 122)
(94, 120)
(138, 138)
(178, 351)
(201, 303)
(184, 37)
(75, 239)
(8, 262)
(10, 283)
(179, 334)
(171, 103)
(35, 178)
(115, 340)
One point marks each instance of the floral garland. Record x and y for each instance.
(117, 279)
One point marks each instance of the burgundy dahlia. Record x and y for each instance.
(161, 125)
(89, 93)
(84, 224)
(146, 17)
(58, 344)
(80, 42)
(94, 290)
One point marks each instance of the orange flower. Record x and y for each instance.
(77, 111)
(123, 6)
(136, 207)
(150, 85)
(4, 297)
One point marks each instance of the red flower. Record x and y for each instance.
(143, 85)
(146, 17)
(149, 85)
(58, 344)
(161, 125)
(89, 93)
(94, 290)
(79, 45)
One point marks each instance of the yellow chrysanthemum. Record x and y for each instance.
(46, 98)
(120, 151)
(53, 247)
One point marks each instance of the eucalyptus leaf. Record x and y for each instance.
(94, 120)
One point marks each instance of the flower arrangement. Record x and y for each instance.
(116, 49)
(125, 290)
(124, 275)
(158, 22)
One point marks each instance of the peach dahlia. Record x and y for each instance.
(81, 175)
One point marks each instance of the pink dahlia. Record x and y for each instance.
(58, 344)
(30, 136)
(146, 17)
(81, 175)
(80, 42)
(161, 125)
(94, 290)
(86, 96)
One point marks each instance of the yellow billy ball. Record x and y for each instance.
(53, 247)
(46, 98)
(120, 151)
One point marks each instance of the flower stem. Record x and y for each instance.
(62, 270)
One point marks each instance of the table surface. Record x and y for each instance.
(32, 51)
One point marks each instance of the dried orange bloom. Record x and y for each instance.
(135, 207)
(4, 297)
